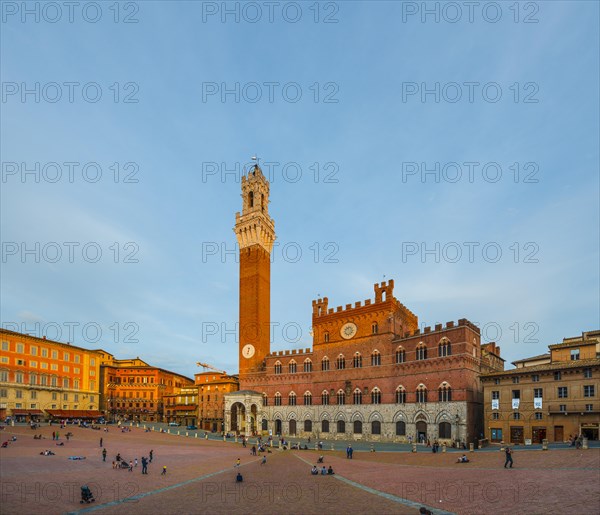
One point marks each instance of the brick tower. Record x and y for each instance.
(255, 231)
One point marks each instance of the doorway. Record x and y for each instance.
(516, 435)
(559, 434)
(538, 434)
(421, 431)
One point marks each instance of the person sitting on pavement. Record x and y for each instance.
(323, 471)
(239, 478)
(463, 459)
(330, 471)
(314, 471)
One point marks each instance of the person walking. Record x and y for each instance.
(101, 442)
(144, 465)
(103, 454)
(151, 455)
(164, 471)
(509, 459)
(237, 462)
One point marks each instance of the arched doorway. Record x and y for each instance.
(293, 427)
(421, 431)
(278, 427)
(238, 417)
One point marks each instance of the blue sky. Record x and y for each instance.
(165, 288)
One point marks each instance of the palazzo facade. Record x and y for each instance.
(371, 373)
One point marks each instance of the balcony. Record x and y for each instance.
(573, 408)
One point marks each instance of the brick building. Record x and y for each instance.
(371, 373)
(134, 390)
(552, 396)
(212, 388)
(41, 379)
(181, 407)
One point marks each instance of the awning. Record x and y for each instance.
(74, 413)
(27, 411)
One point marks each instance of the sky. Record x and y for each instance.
(450, 147)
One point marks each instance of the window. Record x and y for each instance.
(33, 350)
(20, 348)
(421, 351)
(557, 376)
(517, 415)
(445, 393)
(292, 367)
(92, 362)
(538, 416)
(357, 360)
(65, 368)
(495, 416)
(444, 348)
(65, 382)
(400, 428)
(563, 408)
(563, 392)
(19, 394)
(325, 364)
(538, 393)
(33, 394)
(357, 397)
(33, 364)
(76, 397)
(32, 379)
(307, 365)
(515, 380)
(375, 427)
(18, 377)
(574, 354)
(357, 427)
(4, 376)
(495, 394)
(535, 378)
(400, 395)
(589, 407)
(421, 394)
(54, 354)
(3, 392)
(277, 399)
(76, 357)
(340, 362)
(66, 356)
(54, 396)
(445, 430)
(400, 355)
(76, 384)
(308, 426)
(265, 400)
(341, 398)
(308, 399)
(374, 328)
(278, 368)
(44, 353)
(376, 396)
(325, 398)
(5, 346)
(341, 426)
(325, 426)
(326, 337)
(496, 381)
(516, 394)
(292, 399)
(587, 373)
(375, 359)
(589, 390)
(496, 435)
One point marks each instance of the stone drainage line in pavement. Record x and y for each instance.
(390, 497)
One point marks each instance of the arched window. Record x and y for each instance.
(400, 428)
(445, 430)
(341, 397)
(400, 395)
(325, 398)
(278, 367)
(376, 396)
(400, 355)
(325, 363)
(292, 399)
(444, 393)
(421, 351)
(265, 400)
(375, 358)
(277, 399)
(340, 362)
(325, 426)
(357, 360)
(375, 427)
(341, 426)
(251, 199)
(292, 367)
(308, 426)
(421, 393)
(265, 424)
(326, 337)
(357, 397)
(307, 365)
(374, 328)
(307, 399)
(444, 348)
(262, 203)
(357, 427)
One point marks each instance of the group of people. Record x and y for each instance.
(324, 471)
(576, 441)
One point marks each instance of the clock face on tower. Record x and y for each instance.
(248, 350)
(348, 330)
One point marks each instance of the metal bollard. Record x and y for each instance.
(584, 443)
(471, 447)
(414, 447)
(545, 444)
(443, 447)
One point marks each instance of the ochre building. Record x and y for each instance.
(42, 379)
(371, 373)
(553, 396)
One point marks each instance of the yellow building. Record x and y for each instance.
(552, 396)
(42, 379)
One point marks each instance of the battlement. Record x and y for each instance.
(292, 352)
(463, 322)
